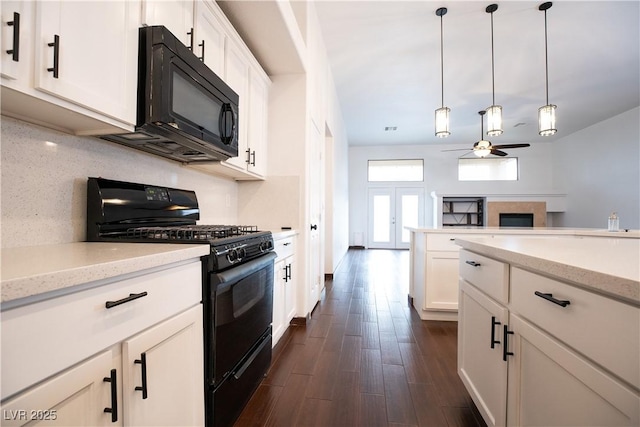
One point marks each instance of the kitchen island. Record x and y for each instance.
(545, 319)
(434, 274)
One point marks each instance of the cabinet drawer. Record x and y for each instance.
(489, 275)
(444, 242)
(284, 247)
(604, 330)
(43, 338)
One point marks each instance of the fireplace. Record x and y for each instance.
(496, 210)
(516, 220)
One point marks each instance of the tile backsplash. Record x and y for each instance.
(44, 174)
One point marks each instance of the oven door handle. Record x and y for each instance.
(233, 275)
(238, 372)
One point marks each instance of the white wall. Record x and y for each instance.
(441, 176)
(599, 169)
(44, 180)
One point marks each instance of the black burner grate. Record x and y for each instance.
(190, 232)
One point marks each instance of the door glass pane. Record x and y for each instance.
(409, 215)
(381, 218)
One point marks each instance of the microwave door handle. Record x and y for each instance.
(223, 123)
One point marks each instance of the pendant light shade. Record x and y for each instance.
(546, 113)
(442, 113)
(494, 112)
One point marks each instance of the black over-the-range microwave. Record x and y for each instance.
(185, 112)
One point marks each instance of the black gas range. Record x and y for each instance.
(237, 284)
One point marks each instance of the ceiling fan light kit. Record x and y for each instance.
(442, 113)
(494, 112)
(546, 113)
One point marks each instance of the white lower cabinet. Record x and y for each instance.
(551, 385)
(284, 287)
(441, 290)
(551, 354)
(77, 397)
(480, 360)
(125, 353)
(163, 375)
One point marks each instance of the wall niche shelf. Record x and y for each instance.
(463, 211)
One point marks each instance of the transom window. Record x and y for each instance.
(396, 170)
(488, 169)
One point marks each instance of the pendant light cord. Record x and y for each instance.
(493, 79)
(442, 60)
(546, 57)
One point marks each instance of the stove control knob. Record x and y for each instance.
(241, 253)
(232, 256)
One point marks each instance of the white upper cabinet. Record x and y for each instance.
(237, 77)
(177, 16)
(16, 38)
(86, 53)
(209, 38)
(72, 66)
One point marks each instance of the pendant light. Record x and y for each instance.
(494, 112)
(482, 148)
(546, 113)
(442, 113)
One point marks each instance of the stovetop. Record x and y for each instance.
(191, 233)
(141, 213)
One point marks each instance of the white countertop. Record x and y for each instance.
(607, 265)
(584, 232)
(33, 270)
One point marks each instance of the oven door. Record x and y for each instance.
(242, 310)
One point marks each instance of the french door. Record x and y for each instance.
(390, 211)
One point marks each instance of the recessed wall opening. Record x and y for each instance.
(516, 220)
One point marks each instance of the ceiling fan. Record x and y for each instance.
(483, 148)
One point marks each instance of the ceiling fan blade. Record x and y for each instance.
(512, 146)
(498, 152)
(458, 149)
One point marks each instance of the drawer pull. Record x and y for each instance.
(286, 244)
(452, 240)
(114, 396)
(494, 341)
(473, 263)
(15, 48)
(56, 55)
(506, 353)
(549, 297)
(143, 368)
(131, 297)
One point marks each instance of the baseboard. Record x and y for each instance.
(356, 247)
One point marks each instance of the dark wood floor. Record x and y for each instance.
(365, 358)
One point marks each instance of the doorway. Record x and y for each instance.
(390, 211)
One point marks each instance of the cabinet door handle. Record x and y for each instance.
(473, 263)
(248, 161)
(289, 272)
(494, 322)
(190, 34)
(549, 297)
(286, 273)
(131, 297)
(114, 396)
(202, 46)
(15, 48)
(505, 347)
(253, 157)
(143, 368)
(56, 55)
(314, 226)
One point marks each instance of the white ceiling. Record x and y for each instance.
(385, 59)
